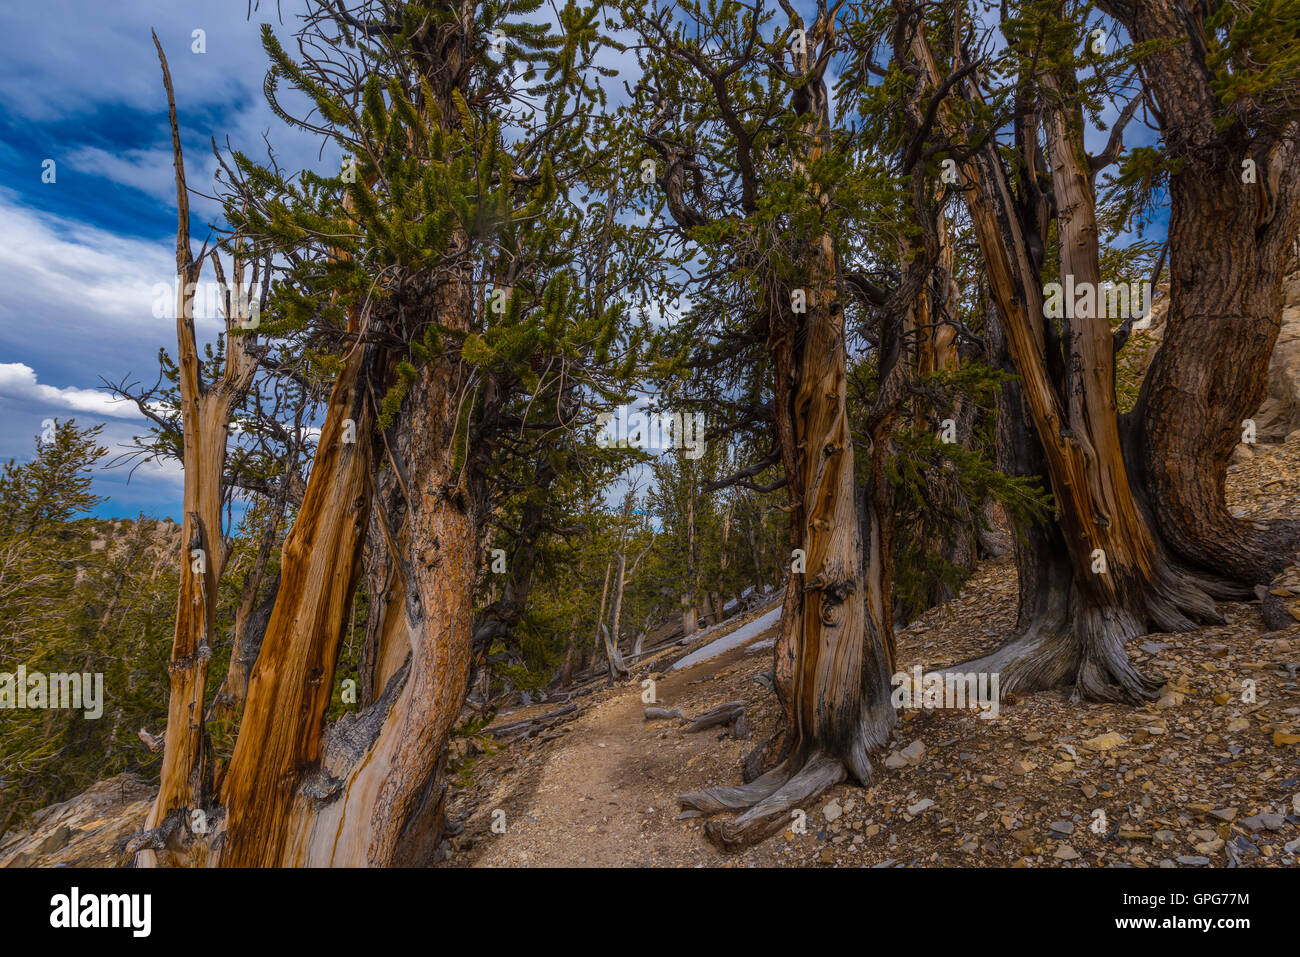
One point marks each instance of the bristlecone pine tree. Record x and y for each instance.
(1100, 577)
(464, 287)
(1224, 80)
(432, 273)
(737, 130)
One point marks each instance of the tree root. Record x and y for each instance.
(768, 800)
(1047, 657)
(1081, 647)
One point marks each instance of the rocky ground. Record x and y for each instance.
(89, 830)
(1207, 775)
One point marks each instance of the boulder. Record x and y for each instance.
(88, 830)
(1279, 416)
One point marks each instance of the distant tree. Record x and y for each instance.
(77, 595)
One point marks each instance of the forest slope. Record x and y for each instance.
(1195, 778)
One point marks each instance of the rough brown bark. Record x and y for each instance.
(1228, 253)
(1120, 582)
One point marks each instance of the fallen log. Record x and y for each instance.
(527, 722)
(657, 714)
(731, 714)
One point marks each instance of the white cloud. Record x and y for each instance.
(58, 52)
(18, 381)
(86, 285)
(151, 172)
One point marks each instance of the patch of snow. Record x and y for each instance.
(733, 640)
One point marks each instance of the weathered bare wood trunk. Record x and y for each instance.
(832, 661)
(289, 690)
(185, 779)
(386, 808)
(1120, 582)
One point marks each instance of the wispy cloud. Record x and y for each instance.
(18, 381)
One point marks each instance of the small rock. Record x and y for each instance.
(1104, 742)
(832, 811)
(913, 752)
(1062, 827)
(919, 806)
(1262, 822)
(1191, 861)
(56, 841)
(1244, 845)
(1066, 853)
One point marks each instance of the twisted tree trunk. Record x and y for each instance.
(833, 661)
(1120, 582)
(185, 779)
(1229, 242)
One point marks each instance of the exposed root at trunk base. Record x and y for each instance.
(1054, 655)
(769, 799)
(766, 755)
(1081, 647)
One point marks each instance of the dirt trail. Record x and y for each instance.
(606, 795)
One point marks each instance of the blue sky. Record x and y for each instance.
(80, 257)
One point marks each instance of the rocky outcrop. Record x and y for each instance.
(1280, 414)
(88, 830)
